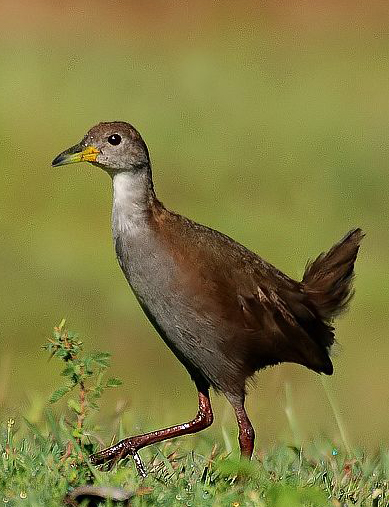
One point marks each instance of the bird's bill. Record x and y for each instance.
(75, 154)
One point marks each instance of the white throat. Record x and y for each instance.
(131, 200)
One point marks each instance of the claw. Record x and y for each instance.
(139, 465)
(117, 452)
(99, 458)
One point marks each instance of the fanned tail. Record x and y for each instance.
(328, 280)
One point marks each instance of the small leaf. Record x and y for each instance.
(101, 358)
(72, 404)
(77, 369)
(68, 371)
(113, 382)
(62, 324)
(59, 393)
(77, 433)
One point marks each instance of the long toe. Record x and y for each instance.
(115, 452)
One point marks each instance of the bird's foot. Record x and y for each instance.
(116, 452)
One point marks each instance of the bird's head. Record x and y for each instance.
(114, 146)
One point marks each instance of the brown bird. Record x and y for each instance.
(223, 310)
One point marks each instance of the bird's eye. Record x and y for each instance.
(115, 139)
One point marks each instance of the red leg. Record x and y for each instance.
(132, 445)
(246, 432)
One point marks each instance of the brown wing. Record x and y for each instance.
(280, 326)
(263, 316)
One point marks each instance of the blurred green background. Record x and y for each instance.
(268, 123)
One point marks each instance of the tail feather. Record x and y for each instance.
(328, 280)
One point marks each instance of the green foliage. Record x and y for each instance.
(33, 473)
(289, 496)
(41, 462)
(84, 373)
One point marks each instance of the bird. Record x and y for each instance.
(224, 312)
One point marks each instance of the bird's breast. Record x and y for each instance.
(153, 276)
(157, 282)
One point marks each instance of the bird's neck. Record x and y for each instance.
(133, 199)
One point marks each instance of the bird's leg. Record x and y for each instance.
(132, 445)
(246, 430)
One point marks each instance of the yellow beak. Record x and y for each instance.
(75, 154)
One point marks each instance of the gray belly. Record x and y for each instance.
(191, 335)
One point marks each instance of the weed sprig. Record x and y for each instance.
(85, 374)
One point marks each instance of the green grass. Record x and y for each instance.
(34, 472)
(45, 455)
